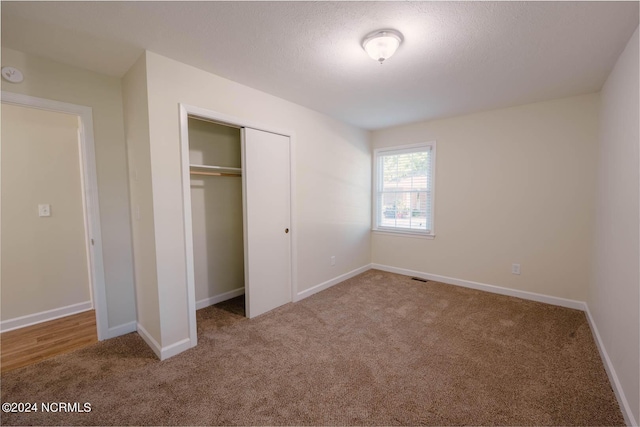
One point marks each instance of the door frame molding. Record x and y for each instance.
(187, 110)
(90, 200)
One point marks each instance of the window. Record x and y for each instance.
(404, 179)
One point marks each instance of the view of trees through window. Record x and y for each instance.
(405, 194)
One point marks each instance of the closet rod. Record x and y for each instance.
(215, 173)
(218, 168)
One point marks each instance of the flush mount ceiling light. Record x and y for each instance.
(381, 44)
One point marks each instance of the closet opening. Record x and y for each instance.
(216, 189)
(238, 186)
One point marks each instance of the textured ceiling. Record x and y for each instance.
(457, 57)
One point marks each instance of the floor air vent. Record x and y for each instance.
(419, 279)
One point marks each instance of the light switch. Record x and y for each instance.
(44, 210)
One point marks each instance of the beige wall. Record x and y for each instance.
(136, 113)
(614, 291)
(216, 211)
(52, 80)
(333, 170)
(44, 259)
(514, 185)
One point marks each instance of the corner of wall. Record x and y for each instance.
(613, 291)
(136, 118)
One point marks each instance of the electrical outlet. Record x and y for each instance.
(333, 260)
(515, 268)
(44, 210)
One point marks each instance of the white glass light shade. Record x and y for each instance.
(381, 44)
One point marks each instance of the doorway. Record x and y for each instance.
(264, 168)
(216, 211)
(50, 248)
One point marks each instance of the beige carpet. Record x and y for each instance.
(378, 349)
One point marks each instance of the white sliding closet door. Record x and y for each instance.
(267, 184)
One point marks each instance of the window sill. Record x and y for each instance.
(404, 234)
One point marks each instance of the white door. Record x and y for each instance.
(267, 236)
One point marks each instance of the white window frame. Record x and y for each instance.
(377, 184)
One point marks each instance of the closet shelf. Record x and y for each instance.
(214, 170)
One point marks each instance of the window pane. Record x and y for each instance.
(405, 171)
(404, 189)
(389, 172)
(389, 209)
(404, 210)
(419, 211)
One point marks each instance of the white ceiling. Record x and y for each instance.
(457, 57)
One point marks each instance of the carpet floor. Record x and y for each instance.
(377, 349)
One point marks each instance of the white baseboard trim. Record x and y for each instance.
(176, 348)
(611, 372)
(329, 283)
(164, 352)
(151, 342)
(123, 329)
(219, 298)
(44, 316)
(547, 299)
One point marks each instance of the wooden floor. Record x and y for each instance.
(25, 346)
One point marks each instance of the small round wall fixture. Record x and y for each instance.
(381, 44)
(12, 74)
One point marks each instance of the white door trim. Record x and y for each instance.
(190, 110)
(90, 195)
